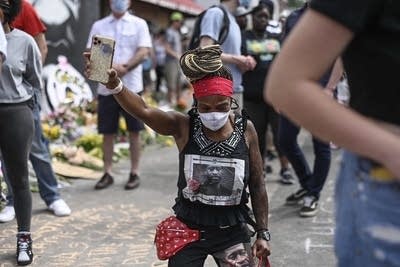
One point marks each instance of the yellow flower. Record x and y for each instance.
(45, 127)
(55, 132)
(122, 125)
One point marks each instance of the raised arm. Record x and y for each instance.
(166, 123)
(294, 76)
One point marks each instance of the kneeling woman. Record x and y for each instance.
(218, 159)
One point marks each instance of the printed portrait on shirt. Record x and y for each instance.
(214, 181)
(238, 255)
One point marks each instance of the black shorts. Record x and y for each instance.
(108, 116)
(222, 244)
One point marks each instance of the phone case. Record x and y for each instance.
(101, 57)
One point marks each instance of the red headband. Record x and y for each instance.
(213, 86)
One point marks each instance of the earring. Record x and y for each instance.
(234, 104)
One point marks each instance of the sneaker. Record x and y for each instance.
(60, 208)
(7, 214)
(295, 198)
(24, 249)
(105, 181)
(286, 177)
(133, 182)
(310, 206)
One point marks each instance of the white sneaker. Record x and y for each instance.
(60, 208)
(7, 214)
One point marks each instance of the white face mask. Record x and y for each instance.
(214, 120)
(119, 6)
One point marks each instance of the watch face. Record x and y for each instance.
(264, 235)
(267, 236)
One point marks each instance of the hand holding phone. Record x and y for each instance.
(101, 57)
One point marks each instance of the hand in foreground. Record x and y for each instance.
(113, 79)
(261, 249)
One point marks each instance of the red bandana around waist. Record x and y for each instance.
(213, 86)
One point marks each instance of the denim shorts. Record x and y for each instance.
(367, 216)
(108, 116)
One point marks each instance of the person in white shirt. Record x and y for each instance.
(3, 46)
(133, 43)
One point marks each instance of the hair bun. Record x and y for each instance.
(201, 61)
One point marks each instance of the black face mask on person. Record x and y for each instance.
(6, 11)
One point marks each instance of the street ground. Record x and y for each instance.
(114, 227)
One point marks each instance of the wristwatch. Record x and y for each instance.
(264, 234)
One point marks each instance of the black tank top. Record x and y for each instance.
(213, 176)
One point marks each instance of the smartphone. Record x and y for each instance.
(101, 57)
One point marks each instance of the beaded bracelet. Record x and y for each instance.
(117, 89)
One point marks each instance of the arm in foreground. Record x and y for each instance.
(258, 193)
(322, 40)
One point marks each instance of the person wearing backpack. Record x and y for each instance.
(212, 23)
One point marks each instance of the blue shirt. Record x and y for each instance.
(211, 25)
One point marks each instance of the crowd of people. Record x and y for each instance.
(253, 89)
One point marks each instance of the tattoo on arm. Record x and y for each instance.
(258, 193)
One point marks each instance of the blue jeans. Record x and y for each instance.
(312, 181)
(41, 163)
(367, 217)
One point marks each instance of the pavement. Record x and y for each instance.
(115, 227)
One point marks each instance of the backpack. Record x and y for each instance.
(223, 33)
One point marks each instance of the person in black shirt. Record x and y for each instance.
(365, 34)
(263, 46)
(210, 135)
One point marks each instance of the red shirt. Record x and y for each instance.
(28, 20)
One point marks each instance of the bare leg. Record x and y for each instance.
(108, 150)
(134, 149)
